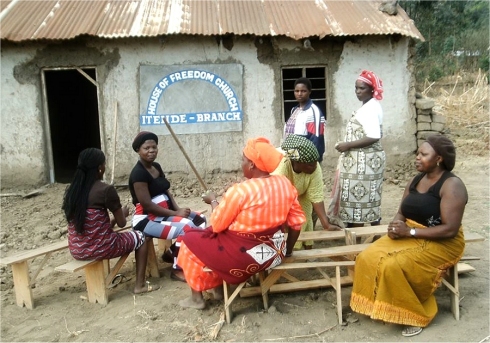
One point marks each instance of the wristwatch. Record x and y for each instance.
(412, 232)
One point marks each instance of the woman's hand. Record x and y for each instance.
(342, 146)
(125, 210)
(332, 227)
(183, 212)
(398, 229)
(208, 197)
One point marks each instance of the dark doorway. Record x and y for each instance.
(73, 118)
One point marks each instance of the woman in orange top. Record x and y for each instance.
(246, 233)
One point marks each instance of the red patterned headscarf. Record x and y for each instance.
(371, 79)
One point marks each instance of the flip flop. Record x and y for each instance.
(149, 288)
(119, 278)
(410, 331)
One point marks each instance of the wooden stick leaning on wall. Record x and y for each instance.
(115, 143)
(201, 181)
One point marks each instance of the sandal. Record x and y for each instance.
(410, 331)
(119, 278)
(149, 288)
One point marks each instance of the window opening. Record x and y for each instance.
(318, 85)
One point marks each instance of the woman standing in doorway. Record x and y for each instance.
(357, 197)
(306, 118)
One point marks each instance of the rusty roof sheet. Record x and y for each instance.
(22, 20)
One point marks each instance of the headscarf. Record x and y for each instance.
(142, 137)
(371, 79)
(300, 149)
(261, 152)
(444, 147)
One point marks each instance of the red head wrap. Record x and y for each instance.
(261, 152)
(371, 79)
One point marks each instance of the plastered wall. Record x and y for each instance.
(24, 160)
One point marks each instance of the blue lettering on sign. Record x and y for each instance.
(151, 117)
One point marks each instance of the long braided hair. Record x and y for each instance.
(75, 200)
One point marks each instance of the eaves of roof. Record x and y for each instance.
(22, 20)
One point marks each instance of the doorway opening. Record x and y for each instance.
(73, 115)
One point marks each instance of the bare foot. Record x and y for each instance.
(146, 288)
(191, 303)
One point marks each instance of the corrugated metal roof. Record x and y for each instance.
(66, 19)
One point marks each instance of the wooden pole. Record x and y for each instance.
(114, 147)
(201, 181)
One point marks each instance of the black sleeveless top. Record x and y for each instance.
(424, 208)
(156, 186)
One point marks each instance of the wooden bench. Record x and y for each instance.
(24, 279)
(451, 279)
(267, 282)
(343, 256)
(367, 234)
(300, 261)
(19, 263)
(99, 274)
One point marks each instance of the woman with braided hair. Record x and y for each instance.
(86, 203)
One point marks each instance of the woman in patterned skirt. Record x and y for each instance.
(246, 234)
(356, 195)
(157, 213)
(86, 203)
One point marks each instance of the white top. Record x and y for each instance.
(370, 116)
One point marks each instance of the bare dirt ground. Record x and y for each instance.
(63, 315)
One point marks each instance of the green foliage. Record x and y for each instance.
(484, 63)
(456, 36)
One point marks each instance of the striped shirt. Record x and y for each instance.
(258, 204)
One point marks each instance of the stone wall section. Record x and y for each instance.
(429, 122)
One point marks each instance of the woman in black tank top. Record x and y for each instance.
(424, 239)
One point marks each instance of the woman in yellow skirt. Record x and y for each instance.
(395, 278)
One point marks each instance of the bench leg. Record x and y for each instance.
(266, 282)
(226, 296)
(230, 298)
(452, 283)
(338, 289)
(151, 264)
(23, 292)
(95, 280)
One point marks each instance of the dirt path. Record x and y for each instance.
(62, 314)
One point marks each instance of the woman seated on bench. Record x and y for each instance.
(246, 234)
(301, 167)
(397, 275)
(90, 234)
(157, 213)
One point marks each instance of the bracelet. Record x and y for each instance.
(214, 200)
